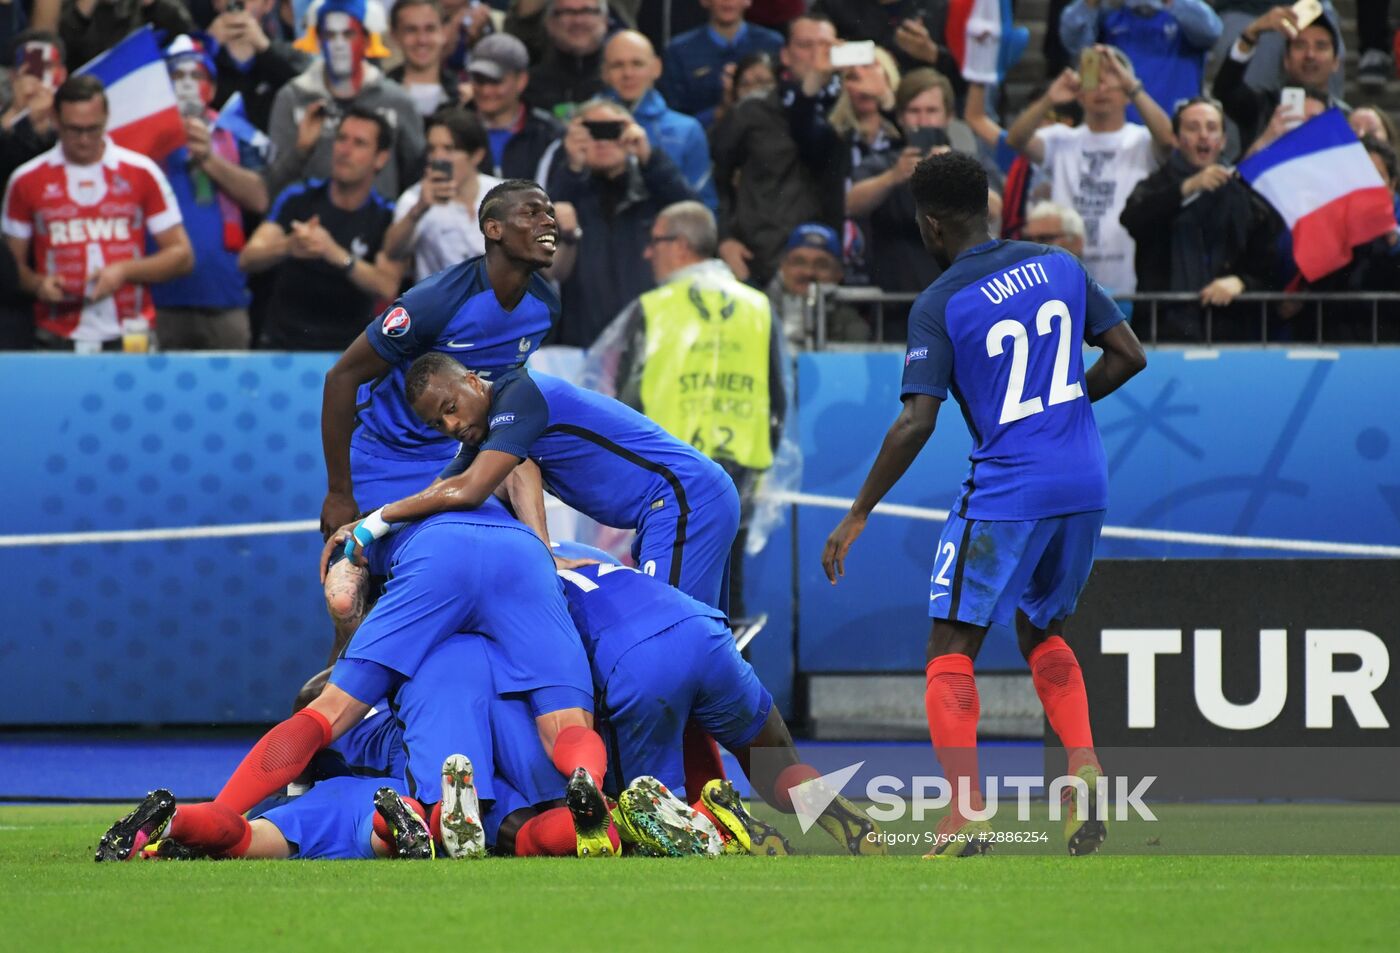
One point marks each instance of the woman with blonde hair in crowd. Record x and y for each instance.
(864, 112)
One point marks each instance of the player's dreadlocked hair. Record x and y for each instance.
(950, 186)
(493, 205)
(423, 369)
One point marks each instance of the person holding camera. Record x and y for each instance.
(1094, 166)
(616, 183)
(435, 218)
(880, 196)
(249, 60)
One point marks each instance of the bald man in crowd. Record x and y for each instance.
(630, 70)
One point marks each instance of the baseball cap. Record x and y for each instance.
(815, 235)
(496, 55)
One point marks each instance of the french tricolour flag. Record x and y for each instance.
(1320, 179)
(144, 115)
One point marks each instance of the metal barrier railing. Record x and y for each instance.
(1380, 306)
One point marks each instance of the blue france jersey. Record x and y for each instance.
(1002, 329)
(455, 312)
(597, 455)
(616, 607)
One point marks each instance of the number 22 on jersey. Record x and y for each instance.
(1062, 389)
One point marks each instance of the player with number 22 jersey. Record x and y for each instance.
(1002, 330)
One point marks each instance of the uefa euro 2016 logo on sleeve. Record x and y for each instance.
(500, 420)
(396, 323)
(915, 354)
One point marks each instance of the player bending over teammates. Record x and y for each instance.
(510, 594)
(660, 659)
(597, 455)
(1002, 329)
(488, 313)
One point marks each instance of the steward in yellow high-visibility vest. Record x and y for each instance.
(702, 356)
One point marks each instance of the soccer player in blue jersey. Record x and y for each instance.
(504, 587)
(489, 313)
(662, 659)
(1001, 329)
(597, 455)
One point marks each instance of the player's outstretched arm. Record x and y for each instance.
(464, 491)
(359, 364)
(906, 437)
(1123, 357)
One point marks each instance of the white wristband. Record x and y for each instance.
(374, 525)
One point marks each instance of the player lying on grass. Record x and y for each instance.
(510, 594)
(661, 659)
(1001, 329)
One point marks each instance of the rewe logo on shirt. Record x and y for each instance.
(79, 230)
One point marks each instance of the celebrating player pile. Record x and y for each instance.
(488, 665)
(1002, 328)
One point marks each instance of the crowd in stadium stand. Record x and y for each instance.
(365, 134)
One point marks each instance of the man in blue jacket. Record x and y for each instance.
(697, 59)
(630, 70)
(1167, 42)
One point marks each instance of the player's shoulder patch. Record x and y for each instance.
(915, 354)
(396, 323)
(500, 420)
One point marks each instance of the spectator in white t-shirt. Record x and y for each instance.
(1093, 167)
(435, 219)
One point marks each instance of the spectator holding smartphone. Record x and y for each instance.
(880, 194)
(27, 126)
(1093, 167)
(435, 219)
(1309, 59)
(616, 183)
(1166, 40)
(248, 61)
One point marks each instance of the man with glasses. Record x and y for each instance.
(1051, 224)
(84, 209)
(571, 70)
(521, 141)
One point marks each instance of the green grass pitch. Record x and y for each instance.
(53, 897)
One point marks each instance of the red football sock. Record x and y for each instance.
(213, 828)
(580, 747)
(551, 834)
(699, 808)
(435, 822)
(276, 760)
(1060, 684)
(703, 762)
(789, 778)
(950, 701)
